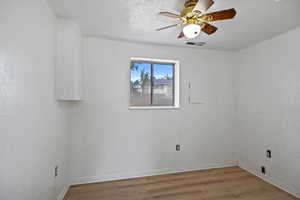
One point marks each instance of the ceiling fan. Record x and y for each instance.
(194, 19)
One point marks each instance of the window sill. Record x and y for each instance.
(155, 108)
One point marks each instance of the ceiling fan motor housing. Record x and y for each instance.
(188, 7)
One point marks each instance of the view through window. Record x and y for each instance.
(151, 84)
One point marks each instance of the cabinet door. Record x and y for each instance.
(68, 61)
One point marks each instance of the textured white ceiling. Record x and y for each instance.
(136, 20)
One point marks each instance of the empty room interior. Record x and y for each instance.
(149, 100)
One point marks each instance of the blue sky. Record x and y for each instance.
(160, 70)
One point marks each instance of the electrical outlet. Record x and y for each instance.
(178, 147)
(263, 169)
(269, 154)
(56, 171)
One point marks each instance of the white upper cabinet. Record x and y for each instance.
(69, 63)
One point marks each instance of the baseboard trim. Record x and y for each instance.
(285, 187)
(63, 193)
(122, 176)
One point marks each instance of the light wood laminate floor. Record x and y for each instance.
(232, 183)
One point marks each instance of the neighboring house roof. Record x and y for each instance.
(162, 81)
(155, 82)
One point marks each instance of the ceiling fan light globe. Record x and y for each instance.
(191, 30)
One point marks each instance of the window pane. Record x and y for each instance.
(163, 92)
(140, 84)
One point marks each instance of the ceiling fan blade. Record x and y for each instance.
(166, 27)
(203, 5)
(169, 14)
(208, 28)
(181, 35)
(220, 15)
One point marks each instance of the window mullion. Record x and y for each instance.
(173, 85)
(151, 93)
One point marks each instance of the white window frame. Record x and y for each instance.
(176, 84)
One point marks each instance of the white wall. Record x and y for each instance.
(110, 141)
(32, 124)
(268, 83)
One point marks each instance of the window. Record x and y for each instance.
(154, 83)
